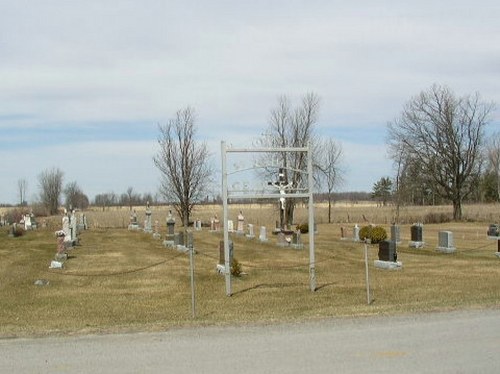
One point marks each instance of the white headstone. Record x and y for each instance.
(355, 233)
(241, 223)
(445, 242)
(263, 234)
(230, 226)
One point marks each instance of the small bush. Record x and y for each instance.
(375, 234)
(18, 231)
(303, 228)
(235, 268)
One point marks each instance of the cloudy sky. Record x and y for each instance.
(84, 84)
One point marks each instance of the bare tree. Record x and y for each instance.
(22, 187)
(183, 163)
(105, 200)
(443, 135)
(291, 127)
(329, 159)
(493, 155)
(75, 198)
(50, 182)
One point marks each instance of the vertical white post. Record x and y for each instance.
(193, 290)
(227, 264)
(367, 276)
(312, 260)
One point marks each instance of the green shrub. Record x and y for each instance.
(375, 234)
(378, 234)
(303, 228)
(235, 268)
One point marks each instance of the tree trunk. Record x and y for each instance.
(329, 209)
(457, 210)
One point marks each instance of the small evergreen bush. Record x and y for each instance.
(303, 228)
(375, 234)
(235, 268)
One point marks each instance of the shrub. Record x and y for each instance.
(303, 228)
(235, 268)
(375, 234)
(17, 231)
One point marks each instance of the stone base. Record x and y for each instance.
(60, 257)
(412, 244)
(390, 265)
(248, 236)
(221, 269)
(497, 254)
(446, 249)
(156, 236)
(56, 265)
(168, 243)
(133, 226)
(263, 240)
(182, 248)
(297, 246)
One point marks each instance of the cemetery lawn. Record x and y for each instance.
(120, 281)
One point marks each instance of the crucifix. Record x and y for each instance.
(282, 186)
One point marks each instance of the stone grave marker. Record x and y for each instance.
(416, 231)
(147, 222)
(27, 222)
(216, 223)
(251, 233)
(494, 234)
(445, 242)
(156, 232)
(395, 233)
(170, 237)
(134, 224)
(355, 233)
(60, 256)
(197, 225)
(263, 234)
(74, 228)
(230, 226)
(67, 230)
(387, 256)
(240, 229)
(296, 240)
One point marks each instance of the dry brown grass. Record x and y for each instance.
(119, 280)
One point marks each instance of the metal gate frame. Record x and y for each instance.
(307, 194)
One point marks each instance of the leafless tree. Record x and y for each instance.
(329, 159)
(22, 187)
(493, 155)
(291, 127)
(50, 182)
(443, 134)
(105, 200)
(184, 164)
(75, 198)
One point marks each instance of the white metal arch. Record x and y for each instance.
(308, 193)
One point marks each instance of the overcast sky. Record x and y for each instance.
(84, 84)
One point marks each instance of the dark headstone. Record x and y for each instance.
(494, 230)
(416, 233)
(387, 251)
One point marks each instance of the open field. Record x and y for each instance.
(120, 280)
